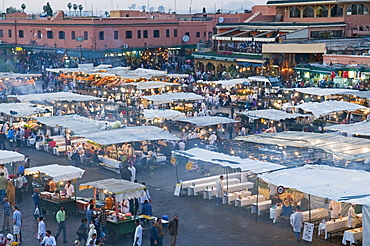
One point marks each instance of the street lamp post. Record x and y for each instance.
(80, 46)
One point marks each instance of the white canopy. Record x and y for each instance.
(327, 107)
(19, 75)
(226, 83)
(123, 189)
(208, 120)
(271, 114)
(152, 84)
(78, 124)
(10, 156)
(129, 134)
(229, 161)
(176, 75)
(22, 109)
(360, 128)
(173, 97)
(55, 96)
(320, 92)
(168, 114)
(57, 172)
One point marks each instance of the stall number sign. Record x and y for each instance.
(308, 231)
(280, 190)
(177, 189)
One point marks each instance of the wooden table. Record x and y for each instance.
(209, 193)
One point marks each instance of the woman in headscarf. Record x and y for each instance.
(91, 232)
(10, 193)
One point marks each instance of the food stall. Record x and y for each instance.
(51, 201)
(118, 223)
(10, 160)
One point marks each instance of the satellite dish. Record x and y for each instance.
(221, 19)
(133, 6)
(151, 9)
(143, 7)
(161, 9)
(185, 38)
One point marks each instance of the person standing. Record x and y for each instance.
(17, 223)
(6, 215)
(82, 231)
(69, 189)
(36, 198)
(335, 208)
(10, 193)
(352, 216)
(173, 229)
(4, 170)
(297, 223)
(18, 188)
(133, 172)
(126, 173)
(103, 218)
(41, 229)
(138, 234)
(154, 235)
(219, 189)
(159, 227)
(3, 184)
(48, 240)
(61, 219)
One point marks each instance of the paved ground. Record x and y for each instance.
(201, 222)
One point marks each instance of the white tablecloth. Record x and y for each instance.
(228, 198)
(275, 213)
(187, 183)
(110, 162)
(193, 190)
(261, 206)
(248, 200)
(332, 225)
(208, 193)
(352, 235)
(316, 214)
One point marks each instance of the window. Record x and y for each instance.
(139, 34)
(145, 34)
(39, 35)
(49, 34)
(175, 33)
(9, 33)
(308, 12)
(1, 33)
(198, 34)
(167, 33)
(73, 35)
(21, 33)
(315, 34)
(209, 35)
(204, 34)
(86, 35)
(115, 34)
(156, 34)
(101, 35)
(336, 11)
(128, 34)
(62, 35)
(337, 34)
(322, 11)
(295, 12)
(187, 33)
(357, 9)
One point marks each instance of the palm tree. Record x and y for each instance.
(69, 5)
(80, 7)
(75, 7)
(23, 6)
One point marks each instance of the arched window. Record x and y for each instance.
(308, 12)
(295, 12)
(336, 11)
(366, 10)
(357, 9)
(322, 11)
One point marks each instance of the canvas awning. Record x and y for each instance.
(347, 148)
(57, 172)
(321, 92)
(10, 156)
(360, 128)
(78, 124)
(152, 84)
(173, 97)
(55, 96)
(226, 83)
(271, 114)
(123, 189)
(320, 109)
(168, 114)
(224, 160)
(21, 109)
(208, 120)
(129, 134)
(294, 48)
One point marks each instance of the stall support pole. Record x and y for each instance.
(258, 183)
(227, 179)
(94, 198)
(177, 174)
(309, 208)
(66, 143)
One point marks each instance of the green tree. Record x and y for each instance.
(11, 10)
(107, 14)
(75, 7)
(23, 7)
(80, 7)
(47, 9)
(69, 5)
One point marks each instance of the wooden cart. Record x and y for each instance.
(117, 228)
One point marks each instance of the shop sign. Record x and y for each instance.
(280, 190)
(59, 51)
(79, 39)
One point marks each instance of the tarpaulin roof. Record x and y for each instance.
(320, 92)
(177, 75)
(360, 128)
(78, 124)
(10, 156)
(152, 84)
(173, 97)
(348, 148)
(168, 114)
(271, 114)
(128, 190)
(229, 161)
(19, 75)
(57, 172)
(327, 107)
(225, 83)
(21, 109)
(339, 184)
(208, 120)
(55, 96)
(363, 94)
(129, 134)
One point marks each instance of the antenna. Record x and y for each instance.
(175, 5)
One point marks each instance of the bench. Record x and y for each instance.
(264, 205)
(336, 232)
(245, 201)
(193, 190)
(209, 193)
(228, 198)
(187, 183)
